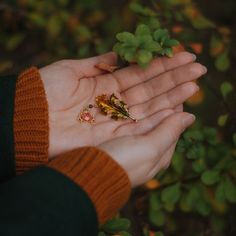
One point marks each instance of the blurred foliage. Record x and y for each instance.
(197, 194)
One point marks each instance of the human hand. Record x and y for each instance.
(151, 94)
(143, 156)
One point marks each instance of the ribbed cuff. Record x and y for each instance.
(31, 129)
(105, 182)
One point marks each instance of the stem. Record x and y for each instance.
(218, 95)
(183, 181)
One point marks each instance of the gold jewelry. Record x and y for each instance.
(86, 116)
(108, 105)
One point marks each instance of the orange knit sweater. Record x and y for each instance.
(105, 182)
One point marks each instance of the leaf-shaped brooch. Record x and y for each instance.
(114, 107)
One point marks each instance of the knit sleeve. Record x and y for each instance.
(104, 180)
(31, 131)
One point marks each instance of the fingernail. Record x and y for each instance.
(188, 120)
(204, 69)
(194, 56)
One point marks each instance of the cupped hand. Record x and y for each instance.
(144, 155)
(151, 94)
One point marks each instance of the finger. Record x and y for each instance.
(168, 100)
(143, 125)
(159, 85)
(164, 135)
(133, 75)
(86, 67)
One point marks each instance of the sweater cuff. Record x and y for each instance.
(105, 182)
(31, 129)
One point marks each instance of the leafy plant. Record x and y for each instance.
(145, 44)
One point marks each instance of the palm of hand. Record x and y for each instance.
(71, 85)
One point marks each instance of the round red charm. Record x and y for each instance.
(86, 116)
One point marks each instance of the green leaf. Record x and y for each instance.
(230, 190)
(169, 207)
(200, 151)
(210, 177)
(171, 42)
(145, 11)
(161, 35)
(225, 163)
(144, 41)
(84, 32)
(37, 19)
(153, 23)
(116, 225)
(117, 47)
(14, 41)
(136, 7)
(171, 194)
(178, 163)
(199, 165)
(210, 135)
(192, 153)
(226, 88)
(195, 135)
(202, 22)
(222, 120)
(121, 49)
(54, 25)
(129, 56)
(216, 45)
(192, 196)
(234, 139)
(153, 47)
(222, 62)
(154, 201)
(157, 218)
(142, 30)
(203, 207)
(168, 52)
(182, 145)
(126, 37)
(220, 191)
(144, 57)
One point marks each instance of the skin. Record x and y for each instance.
(153, 95)
(142, 156)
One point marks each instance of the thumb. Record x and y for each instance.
(168, 132)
